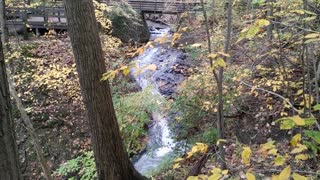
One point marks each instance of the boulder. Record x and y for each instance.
(128, 25)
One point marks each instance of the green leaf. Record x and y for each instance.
(310, 121)
(315, 135)
(287, 124)
(316, 107)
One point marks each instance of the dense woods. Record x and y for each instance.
(193, 89)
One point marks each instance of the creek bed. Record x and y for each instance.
(171, 70)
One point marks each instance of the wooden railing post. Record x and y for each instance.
(25, 23)
(59, 16)
(45, 17)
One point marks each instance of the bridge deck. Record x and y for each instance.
(54, 18)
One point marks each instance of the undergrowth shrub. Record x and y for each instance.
(196, 105)
(82, 167)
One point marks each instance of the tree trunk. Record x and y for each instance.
(269, 16)
(9, 165)
(4, 28)
(111, 159)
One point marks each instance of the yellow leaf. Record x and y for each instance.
(216, 171)
(184, 29)
(202, 176)
(192, 178)
(299, 149)
(140, 50)
(268, 145)
(245, 155)
(298, 120)
(273, 151)
(312, 35)
(296, 176)
(224, 54)
(221, 141)
(263, 22)
(225, 172)
(298, 11)
(178, 159)
(302, 157)
(149, 44)
(125, 70)
(199, 147)
(215, 177)
(212, 56)
(202, 147)
(285, 173)
(219, 62)
(299, 92)
(250, 176)
(279, 160)
(176, 36)
(295, 140)
(175, 166)
(275, 177)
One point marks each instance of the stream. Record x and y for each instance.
(163, 81)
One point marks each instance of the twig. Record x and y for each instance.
(270, 92)
(276, 170)
(278, 95)
(298, 27)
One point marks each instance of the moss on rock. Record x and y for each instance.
(128, 25)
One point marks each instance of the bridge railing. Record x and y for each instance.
(40, 17)
(164, 6)
(54, 17)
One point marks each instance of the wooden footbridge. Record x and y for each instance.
(55, 18)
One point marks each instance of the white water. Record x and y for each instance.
(160, 140)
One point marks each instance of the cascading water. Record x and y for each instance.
(160, 141)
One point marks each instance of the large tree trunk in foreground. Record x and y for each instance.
(111, 159)
(9, 165)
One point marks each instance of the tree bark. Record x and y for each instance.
(111, 159)
(9, 165)
(4, 28)
(269, 16)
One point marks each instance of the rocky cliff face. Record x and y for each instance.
(128, 25)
